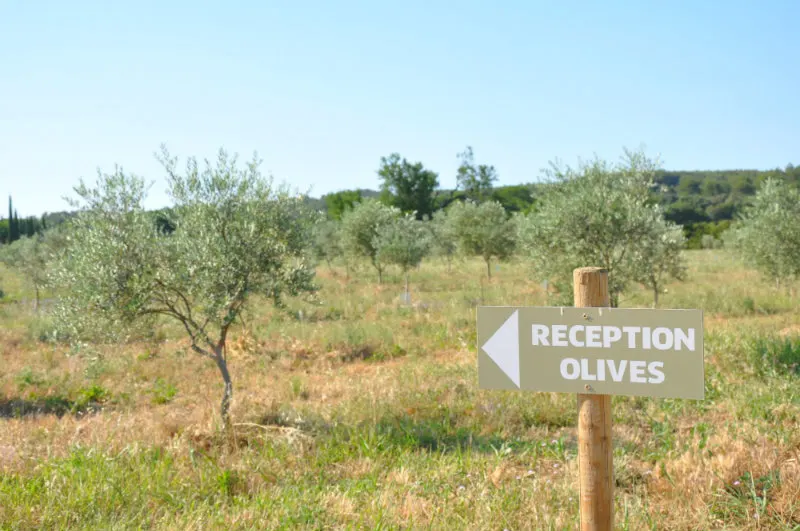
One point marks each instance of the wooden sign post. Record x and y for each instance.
(590, 286)
(594, 351)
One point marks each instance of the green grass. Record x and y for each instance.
(363, 412)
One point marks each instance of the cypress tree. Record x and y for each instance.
(16, 234)
(13, 223)
(10, 221)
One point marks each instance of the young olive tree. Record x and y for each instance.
(404, 243)
(767, 235)
(597, 214)
(235, 235)
(444, 242)
(657, 257)
(483, 230)
(327, 241)
(361, 226)
(30, 255)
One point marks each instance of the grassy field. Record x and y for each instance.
(363, 412)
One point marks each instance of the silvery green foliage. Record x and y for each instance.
(360, 227)
(329, 246)
(708, 241)
(767, 235)
(327, 241)
(597, 214)
(444, 243)
(100, 275)
(29, 255)
(483, 230)
(235, 235)
(404, 242)
(658, 257)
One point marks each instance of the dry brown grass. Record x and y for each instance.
(372, 418)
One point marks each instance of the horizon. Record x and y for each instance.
(323, 92)
(377, 189)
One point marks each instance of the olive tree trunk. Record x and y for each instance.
(227, 394)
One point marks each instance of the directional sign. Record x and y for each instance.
(613, 351)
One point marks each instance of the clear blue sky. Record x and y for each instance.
(322, 90)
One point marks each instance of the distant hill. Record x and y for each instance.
(705, 202)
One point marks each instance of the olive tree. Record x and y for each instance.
(709, 241)
(598, 214)
(404, 243)
(767, 234)
(658, 258)
(27, 256)
(327, 241)
(483, 230)
(360, 227)
(235, 235)
(443, 237)
(30, 256)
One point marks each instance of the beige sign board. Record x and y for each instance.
(613, 351)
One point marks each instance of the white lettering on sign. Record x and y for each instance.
(617, 372)
(595, 370)
(654, 368)
(573, 335)
(593, 336)
(540, 333)
(570, 369)
(637, 372)
(560, 336)
(599, 336)
(631, 332)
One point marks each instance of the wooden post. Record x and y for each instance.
(594, 422)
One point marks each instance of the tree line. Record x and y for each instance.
(13, 227)
(116, 268)
(703, 203)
